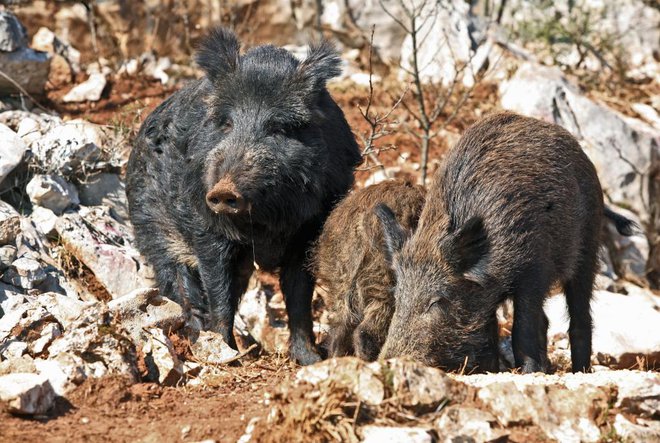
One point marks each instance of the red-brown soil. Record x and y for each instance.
(114, 410)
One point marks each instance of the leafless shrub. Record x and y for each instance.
(431, 99)
(380, 124)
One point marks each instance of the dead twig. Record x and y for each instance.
(430, 101)
(379, 124)
(23, 91)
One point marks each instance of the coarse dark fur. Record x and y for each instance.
(263, 124)
(516, 208)
(350, 263)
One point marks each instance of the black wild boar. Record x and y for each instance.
(241, 167)
(516, 208)
(350, 264)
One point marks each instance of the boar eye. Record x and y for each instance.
(279, 131)
(226, 126)
(436, 303)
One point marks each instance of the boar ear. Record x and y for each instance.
(465, 249)
(218, 53)
(322, 64)
(392, 232)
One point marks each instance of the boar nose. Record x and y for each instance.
(225, 198)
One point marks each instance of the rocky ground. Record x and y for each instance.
(89, 351)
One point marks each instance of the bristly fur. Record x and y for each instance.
(218, 53)
(286, 149)
(351, 264)
(530, 202)
(321, 64)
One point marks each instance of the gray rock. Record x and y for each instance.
(52, 192)
(564, 415)
(49, 333)
(13, 35)
(625, 326)
(644, 430)
(144, 308)
(350, 373)
(105, 189)
(10, 223)
(24, 363)
(211, 348)
(20, 321)
(13, 348)
(623, 150)
(260, 320)
(161, 358)
(29, 130)
(156, 68)
(10, 297)
(459, 423)
(26, 394)
(70, 148)
(46, 40)
(13, 119)
(342, 16)
(66, 310)
(391, 434)
(28, 68)
(638, 392)
(92, 346)
(103, 249)
(439, 58)
(57, 282)
(10, 320)
(631, 24)
(647, 113)
(560, 404)
(65, 371)
(416, 385)
(25, 272)
(88, 91)
(13, 150)
(44, 220)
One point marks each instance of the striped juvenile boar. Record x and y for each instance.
(350, 263)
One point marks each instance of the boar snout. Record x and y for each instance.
(225, 198)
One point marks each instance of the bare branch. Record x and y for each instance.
(23, 91)
(395, 18)
(378, 124)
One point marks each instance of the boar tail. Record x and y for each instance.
(624, 225)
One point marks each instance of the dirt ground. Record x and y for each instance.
(115, 410)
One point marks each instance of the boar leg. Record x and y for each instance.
(189, 288)
(298, 287)
(578, 297)
(225, 273)
(528, 350)
(488, 359)
(543, 339)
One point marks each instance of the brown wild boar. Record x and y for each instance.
(350, 263)
(241, 167)
(516, 208)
